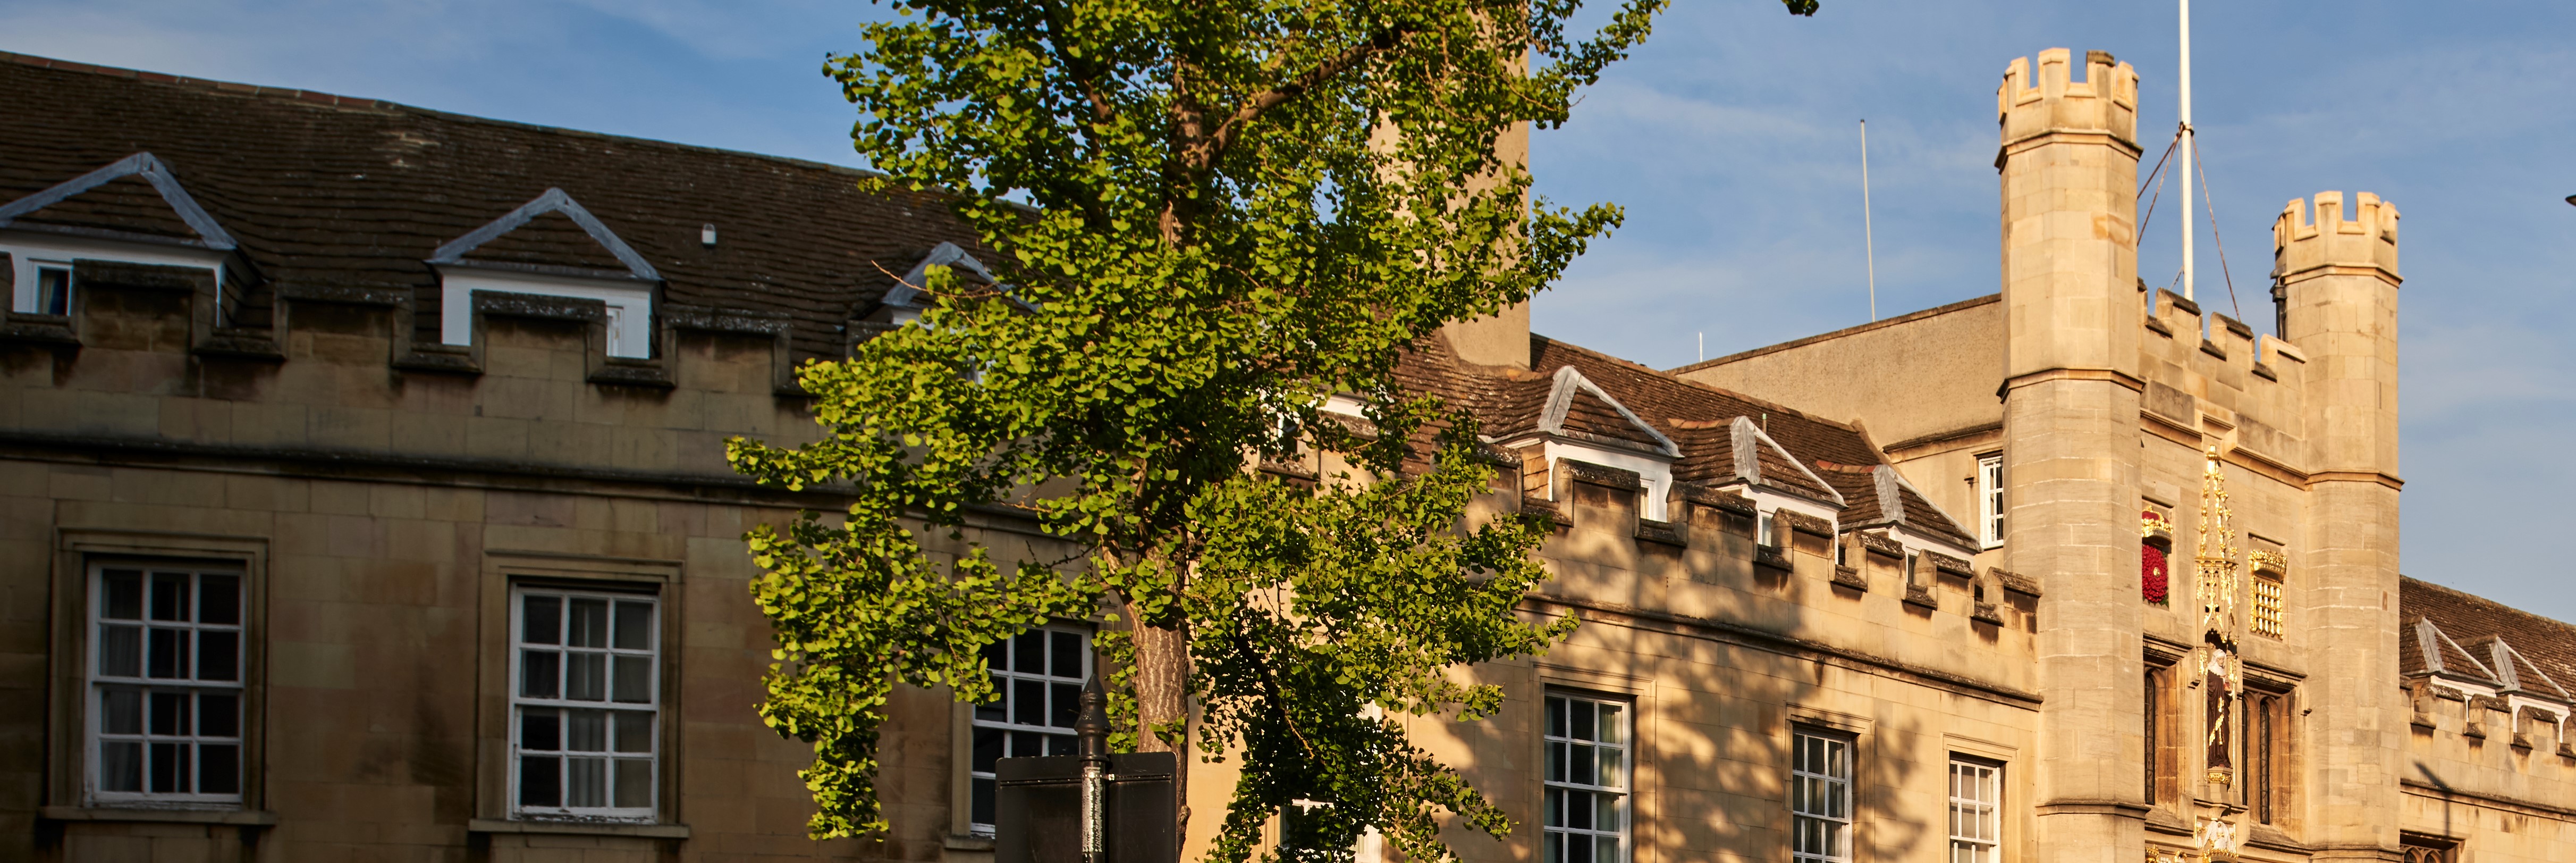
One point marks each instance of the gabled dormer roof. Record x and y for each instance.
(1577, 408)
(146, 167)
(2518, 673)
(2445, 657)
(552, 201)
(1762, 462)
(2510, 649)
(909, 292)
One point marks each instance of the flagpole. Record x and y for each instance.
(1869, 243)
(2186, 149)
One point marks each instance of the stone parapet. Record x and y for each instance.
(2365, 244)
(2106, 102)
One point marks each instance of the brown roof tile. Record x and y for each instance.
(337, 191)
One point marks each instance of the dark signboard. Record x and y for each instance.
(1039, 810)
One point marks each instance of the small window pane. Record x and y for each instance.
(169, 596)
(541, 730)
(219, 599)
(1065, 704)
(124, 591)
(634, 679)
(218, 769)
(1065, 655)
(53, 291)
(218, 715)
(634, 783)
(997, 656)
(988, 748)
(1031, 650)
(982, 803)
(120, 651)
(634, 625)
(120, 766)
(586, 677)
(586, 782)
(537, 673)
(542, 620)
(121, 711)
(540, 780)
(586, 730)
(169, 768)
(589, 623)
(1028, 702)
(218, 655)
(634, 731)
(163, 653)
(169, 714)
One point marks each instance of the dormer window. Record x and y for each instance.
(43, 249)
(627, 294)
(53, 288)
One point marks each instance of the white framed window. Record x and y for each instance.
(629, 304)
(165, 684)
(1990, 499)
(1820, 800)
(584, 704)
(1766, 528)
(40, 273)
(1976, 796)
(1039, 674)
(1587, 781)
(53, 288)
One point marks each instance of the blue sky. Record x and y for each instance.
(1732, 141)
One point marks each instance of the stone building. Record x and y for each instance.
(423, 412)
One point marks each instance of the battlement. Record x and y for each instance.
(2301, 248)
(2106, 101)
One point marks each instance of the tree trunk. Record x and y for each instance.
(1162, 695)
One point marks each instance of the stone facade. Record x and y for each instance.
(1807, 624)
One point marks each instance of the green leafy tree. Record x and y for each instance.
(1213, 217)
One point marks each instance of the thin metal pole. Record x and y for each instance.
(1869, 243)
(2186, 172)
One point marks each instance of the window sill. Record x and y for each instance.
(578, 828)
(236, 817)
(969, 843)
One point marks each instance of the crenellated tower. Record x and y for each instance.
(2336, 279)
(2069, 165)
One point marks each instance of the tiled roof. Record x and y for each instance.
(1699, 419)
(2472, 625)
(334, 191)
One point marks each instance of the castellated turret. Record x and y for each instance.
(2105, 101)
(2069, 166)
(2336, 279)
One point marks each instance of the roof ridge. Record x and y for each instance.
(1883, 323)
(333, 100)
(1767, 404)
(2403, 578)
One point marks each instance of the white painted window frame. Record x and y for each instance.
(523, 704)
(1820, 797)
(188, 635)
(1053, 730)
(1990, 499)
(630, 303)
(1654, 473)
(1976, 811)
(28, 251)
(1608, 752)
